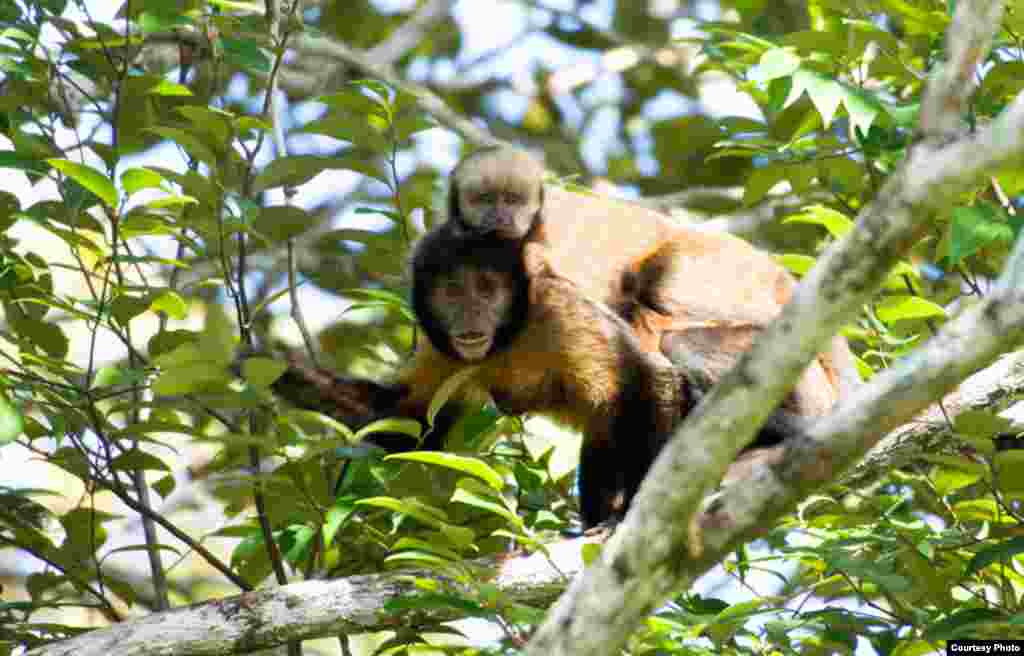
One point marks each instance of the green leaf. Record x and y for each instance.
(136, 179)
(959, 621)
(280, 223)
(796, 264)
(914, 648)
(981, 423)
(837, 223)
(410, 124)
(473, 493)
(171, 304)
(904, 116)
(975, 227)
(298, 169)
(761, 181)
(217, 341)
(192, 143)
(447, 390)
(135, 460)
(126, 307)
(168, 88)
(262, 372)
(319, 419)
(13, 160)
(997, 553)
(896, 280)
(825, 93)
(12, 424)
(900, 308)
(165, 486)
(336, 518)
(47, 336)
(168, 340)
(775, 63)
(245, 54)
(411, 427)
(862, 107)
(1004, 80)
(354, 101)
(1010, 465)
(367, 133)
(464, 464)
(425, 513)
(947, 479)
(190, 378)
(214, 123)
(89, 178)
(431, 546)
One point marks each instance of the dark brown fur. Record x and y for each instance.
(574, 361)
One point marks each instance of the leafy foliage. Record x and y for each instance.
(130, 281)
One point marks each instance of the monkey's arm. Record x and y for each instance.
(356, 402)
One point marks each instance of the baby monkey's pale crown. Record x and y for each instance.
(497, 190)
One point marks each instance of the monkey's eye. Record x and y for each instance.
(449, 287)
(488, 284)
(485, 198)
(512, 198)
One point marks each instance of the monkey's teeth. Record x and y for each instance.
(471, 339)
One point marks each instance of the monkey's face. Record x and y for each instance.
(508, 212)
(497, 191)
(472, 304)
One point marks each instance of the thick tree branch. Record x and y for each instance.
(314, 609)
(644, 563)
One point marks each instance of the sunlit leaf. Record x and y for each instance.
(464, 464)
(170, 303)
(262, 372)
(12, 424)
(138, 178)
(89, 178)
(900, 308)
(837, 223)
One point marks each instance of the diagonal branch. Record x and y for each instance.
(409, 34)
(426, 100)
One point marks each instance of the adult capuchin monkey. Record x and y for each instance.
(697, 297)
(540, 346)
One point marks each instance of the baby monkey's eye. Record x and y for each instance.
(512, 198)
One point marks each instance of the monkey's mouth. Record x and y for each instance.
(472, 345)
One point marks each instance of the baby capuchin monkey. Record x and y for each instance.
(496, 191)
(542, 347)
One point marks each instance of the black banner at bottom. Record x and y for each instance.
(988, 647)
